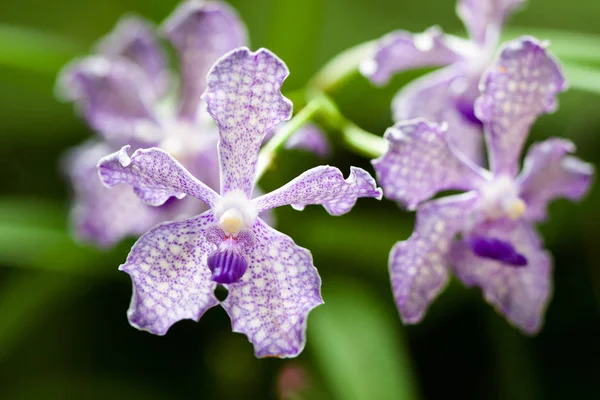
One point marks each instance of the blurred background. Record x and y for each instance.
(63, 329)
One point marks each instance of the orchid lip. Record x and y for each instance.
(227, 266)
(496, 249)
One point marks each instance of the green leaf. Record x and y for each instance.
(34, 50)
(358, 345)
(581, 77)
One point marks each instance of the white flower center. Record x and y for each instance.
(182, 139)
(500, 198)
(234, 212)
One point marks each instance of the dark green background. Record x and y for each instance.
(63, 330)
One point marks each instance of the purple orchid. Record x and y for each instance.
(446, 95)
(126, 94)
(175, 267)
(486, 234)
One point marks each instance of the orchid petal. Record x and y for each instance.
(419, 265)
(171, 280)
(520, 86)
(549, 172)
(484, 18)
(201, 32)
(445, 96)
(520, 294)
(155, 176)
(323, 185)
(134, 39)
(244, 98)
(400, 51)
(419, 163)
(271, 302)
(113, 94)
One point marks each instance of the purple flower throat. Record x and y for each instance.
(498, 250)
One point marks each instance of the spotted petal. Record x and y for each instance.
(400, 51)
(484, 18)
(419, 265)
(101, 215)
(419, 163)
(323, 185)
(170, 278)
(271, 302)
(519, 87)
(155, 176)
(134, 39)
(244, 98)
(520, 294)
(445, 96)
(201, 32)
(114, 95)
(549, 172)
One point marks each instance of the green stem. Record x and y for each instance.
(354, 137)
(269, 150)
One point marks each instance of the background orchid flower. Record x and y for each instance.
(498, 248)
(175, 267)
(127, 95)
(446, 95)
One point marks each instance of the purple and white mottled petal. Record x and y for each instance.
(100, 215)
(155, 176)
(310, 138)
(445, 96)
(134, 39)
(484, 18)
(419, 265)
(521, 85)
(400, 51)
(271, 302)
(419, 163)
(322, 185)
(520, 294)
(244, 98)
(114, 95)
(201, 32)
(171, 280)
(550, 172)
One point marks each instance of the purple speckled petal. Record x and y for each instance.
(101, 215)
(521, 294)
(445, 96)
(419, 265)
(399, 51)
(244, 98)
(114, 96)
(170, 278)
(310, 138)
(201, 32)
(271, 302)
(520, 86)
(323, 185)
(419, 163)
(155, 176)
(549, 172)
(484, 18)
(134, 39)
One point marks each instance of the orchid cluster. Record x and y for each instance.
(182, 163)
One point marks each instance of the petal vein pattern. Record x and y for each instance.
(272, 301)
(244, 98)
(323, 185)
(167, 266)
(155, 176)
(419, 163)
